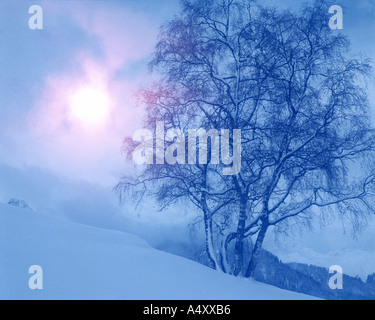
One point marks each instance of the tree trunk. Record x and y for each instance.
(256, 251)
(207, 217)
(211, 255)
(238, 249)
(209, 241)
(227, 267)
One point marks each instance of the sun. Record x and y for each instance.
(90, 106)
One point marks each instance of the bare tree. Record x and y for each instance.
(289, 83)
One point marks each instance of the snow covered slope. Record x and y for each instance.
(83, 262)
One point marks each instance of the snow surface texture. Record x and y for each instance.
(85, 262)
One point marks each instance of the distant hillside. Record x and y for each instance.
(310, 279)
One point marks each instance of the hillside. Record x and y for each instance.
(84, 262)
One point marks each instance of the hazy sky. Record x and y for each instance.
(87, 46)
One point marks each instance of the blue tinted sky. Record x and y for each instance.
(98, 44)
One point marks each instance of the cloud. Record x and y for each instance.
(119, 40)
(125, 35)
(97, 43)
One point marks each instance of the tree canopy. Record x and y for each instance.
(292, 88)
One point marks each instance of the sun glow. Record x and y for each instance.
(90, 106)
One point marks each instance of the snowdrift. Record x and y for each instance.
(84, 262)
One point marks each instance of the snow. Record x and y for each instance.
(87, 262)
(95, 205)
